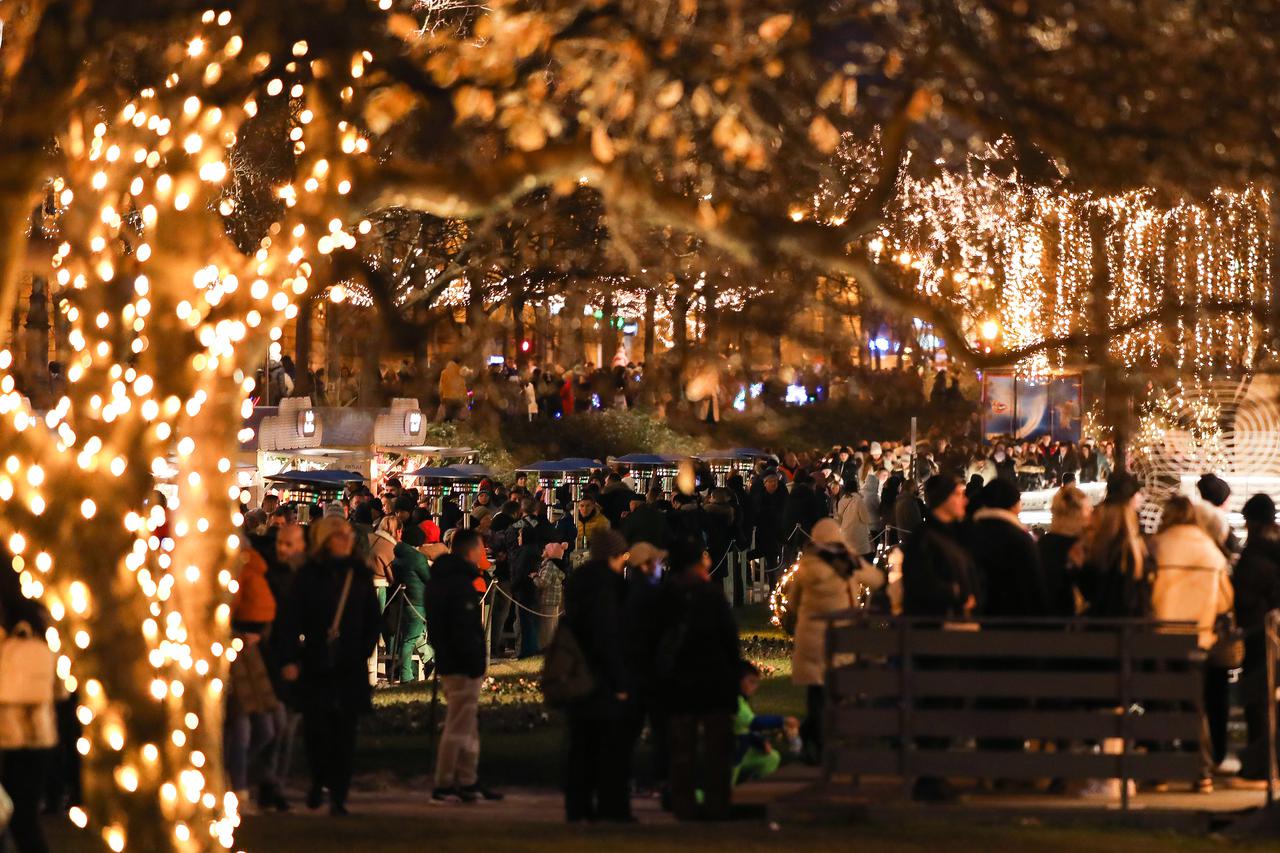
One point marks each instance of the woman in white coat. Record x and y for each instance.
(1192, 585)
(830, 578)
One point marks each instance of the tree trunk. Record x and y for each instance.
(36, 344)
(608, 332)
(302, 343)
(332, 350)
(519, 333)
(650, 332)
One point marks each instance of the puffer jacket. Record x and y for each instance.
(382, 552)
(820, 587)
(855, 521)
(1191, 582)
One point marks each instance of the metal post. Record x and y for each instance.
(1272, 632)
(1126, 673)
(906, 669)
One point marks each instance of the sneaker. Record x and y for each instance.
(480, 792)
(452, 795)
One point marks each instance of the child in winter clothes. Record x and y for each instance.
(756, 757)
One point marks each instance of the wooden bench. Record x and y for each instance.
(1013, 699)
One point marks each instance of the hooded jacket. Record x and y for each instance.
(830, 578)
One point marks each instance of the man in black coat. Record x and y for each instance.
(937, 569)
(455, 628)
(769, 514)
(1256, 579)
(1010, 580)
(646, 522)
(696, 669)
(600, 728)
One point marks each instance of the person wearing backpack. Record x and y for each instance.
(696, 669)
(598, 770)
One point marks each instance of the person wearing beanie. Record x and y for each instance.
(1009, 579)
(1256, 580)
(1211, 512)
(598, 769)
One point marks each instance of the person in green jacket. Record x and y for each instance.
(756, 756)
(412, 569)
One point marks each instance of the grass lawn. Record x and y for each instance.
(521, 741)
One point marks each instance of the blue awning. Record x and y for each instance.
(318, 478)
(736, 454)
(562, 466)
(655, 459)
(450, 472)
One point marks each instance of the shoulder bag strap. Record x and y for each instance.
(342, 605)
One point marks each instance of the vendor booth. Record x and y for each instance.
(739, 460)
(553, 473)
(437, 484)
(650, 469)
(312, 488)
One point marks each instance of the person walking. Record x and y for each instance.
(696, 669)
(1257, 592)
(1192, 585)
(456, 631)
(831, 577)
(332, 606)
(598, 768)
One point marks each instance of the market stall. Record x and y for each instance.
(650, 469)
(436, 484)
(738, 460)
(553, 473)
(312, 488)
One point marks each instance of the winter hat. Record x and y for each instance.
(876, 451)
(1000, 494)
(607, 544)
(1121, 487)
(1260, 509)
(827, 532)
(1213, 489)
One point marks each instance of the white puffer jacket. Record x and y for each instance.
(1192, 583)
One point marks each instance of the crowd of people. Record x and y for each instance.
(394, 585)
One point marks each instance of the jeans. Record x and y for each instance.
(331, 749)
(713, 732)
(281, 754)
(530, 629)
(458, 756)
(249, 739)
(499, 609)
(1217, 707)
(598, 770)
(23, 777)
(415, 642)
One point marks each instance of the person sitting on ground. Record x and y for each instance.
(756, 758)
